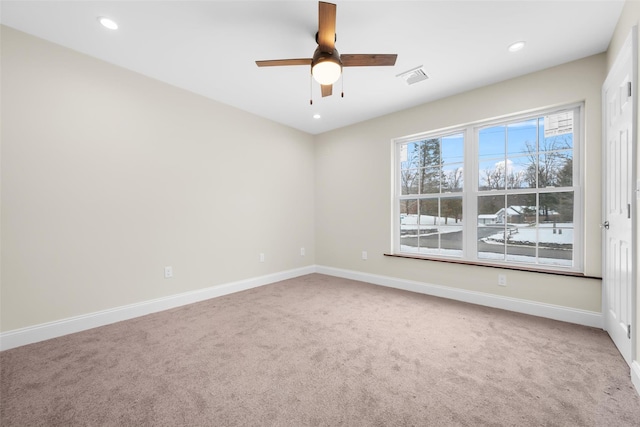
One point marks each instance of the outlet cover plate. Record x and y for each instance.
(502, 280)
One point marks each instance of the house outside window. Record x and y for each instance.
(504, 192)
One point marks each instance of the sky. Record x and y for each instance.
(497, 146)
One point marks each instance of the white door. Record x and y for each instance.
(618, 193)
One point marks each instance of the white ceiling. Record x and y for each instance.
(209, 47)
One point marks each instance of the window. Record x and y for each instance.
(501, 192)
(431, 195)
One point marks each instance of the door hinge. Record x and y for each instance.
(629, 331)
(629, 89)
(628, 210)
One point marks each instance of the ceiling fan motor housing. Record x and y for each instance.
(335, 38)
(320, 56)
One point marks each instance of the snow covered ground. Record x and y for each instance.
(558, 235)
(429, 224)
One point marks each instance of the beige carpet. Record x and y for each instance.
(319, 350)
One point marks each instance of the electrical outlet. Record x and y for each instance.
(261, 257)
(168, 272)
(364, 255)
(302, 252)
(502, 280)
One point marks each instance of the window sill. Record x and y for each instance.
(490, 265)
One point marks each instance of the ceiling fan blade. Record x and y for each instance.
(326, 26)
(326, 90)
(368, 60)
(282, 62)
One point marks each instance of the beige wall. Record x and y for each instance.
(108, 176)
(629, 17)
(353, 186)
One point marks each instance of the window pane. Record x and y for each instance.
(565, 171)
(453, 149)
(491, 227)
(451, 210)
(490, 207)
(429, 152)
(555, 225)
(429, 215)
(491, 175)
(521, 137)
(409, 225)
(441, 226)
(556, 244)
(409, 181)
(430, 180)
(521, 232)
(429, 222)
(452, 178)
(556, 207)
(555, 168)
(408, 208)
(451, 231)
(518, 172)
(491, 142)
(409, 158)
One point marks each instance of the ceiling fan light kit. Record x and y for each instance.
(326, 67)
(327, 63)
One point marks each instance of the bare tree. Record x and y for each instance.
(492, 178)
(502, 176)
(430, 167)
(549, 164)
(453, 180)
(451, 208)
(546, 160)
(409, 181)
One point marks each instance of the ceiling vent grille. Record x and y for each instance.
(414, 75)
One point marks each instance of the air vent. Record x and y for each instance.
(414, 75)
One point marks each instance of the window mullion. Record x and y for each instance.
(470, 215)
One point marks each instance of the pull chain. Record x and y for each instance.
(310, 89)
(342, 83)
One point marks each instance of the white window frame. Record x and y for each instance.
(471, 193)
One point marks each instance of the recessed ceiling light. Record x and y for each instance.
(514, 47)
(108, 23)
(316, 116)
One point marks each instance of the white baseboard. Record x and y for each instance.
(635, 375)
(45, 331)
(556, 312)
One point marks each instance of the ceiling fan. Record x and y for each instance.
(327, 63)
